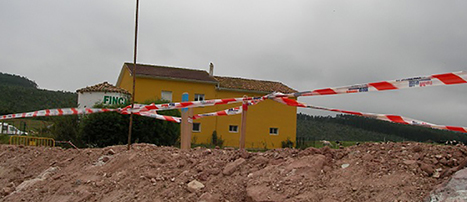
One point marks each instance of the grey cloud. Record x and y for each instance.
(66, 45)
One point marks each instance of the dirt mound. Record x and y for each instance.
(369, 172)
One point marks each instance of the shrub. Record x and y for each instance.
(215, 140)
(287, 143)
(111, 128)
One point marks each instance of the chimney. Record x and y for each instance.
(211, 69)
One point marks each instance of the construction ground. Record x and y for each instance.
(406, 171)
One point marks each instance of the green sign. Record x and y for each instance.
(112, 100)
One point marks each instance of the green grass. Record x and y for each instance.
(4, 139)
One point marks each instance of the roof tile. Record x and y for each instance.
(171, 72)
(203, 76)
(253, 85)
(103, 87)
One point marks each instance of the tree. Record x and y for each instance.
(111, 128)
(65, 128)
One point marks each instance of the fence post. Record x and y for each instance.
(243, 124)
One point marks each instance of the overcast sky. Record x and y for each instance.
(67, 45)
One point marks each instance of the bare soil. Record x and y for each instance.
(369, 172)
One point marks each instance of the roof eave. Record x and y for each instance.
(243, 90)
(174, 79)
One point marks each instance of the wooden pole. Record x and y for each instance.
(243, 124)
(189, 128)
(130, 127)
(184, 145)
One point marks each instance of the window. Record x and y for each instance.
(273, 131)
(233, 129)
(199, 97)
(196, 127)
(166, 95)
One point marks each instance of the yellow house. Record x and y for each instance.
(268, 123)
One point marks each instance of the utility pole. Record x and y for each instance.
(134, 76)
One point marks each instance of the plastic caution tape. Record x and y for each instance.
(161, 117)
(384, 117)
(137, 109)
(414, 82)
(56, 112)
(191, 104)
(231, 111)
(227, 112)
(146, 110)
(154, 114)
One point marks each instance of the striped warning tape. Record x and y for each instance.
(414, 82)
(228, 112)
(191, 104)
(153, 114)
(384, 117)
(149, 110)
(231, 111)
(159, 116)
(142, 111)
(56, 112)
(139, 109)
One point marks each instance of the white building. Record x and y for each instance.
(103, 93)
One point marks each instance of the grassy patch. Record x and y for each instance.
(4, 139)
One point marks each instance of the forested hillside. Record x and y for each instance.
(353, 128)
(19, 94)
(14, 80)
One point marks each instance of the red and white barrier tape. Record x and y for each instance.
(227, 112)
(153, 112)
(231, 111)
(191, 104)
(150, 113)
(421, 81)
(150, 110)
(138, 109)
(56, 112)
(155, 115)
(384, 117)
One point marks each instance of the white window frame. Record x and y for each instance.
(273, 131)
(164, 95)
(233, 131)
(199, 127)
(198, 96)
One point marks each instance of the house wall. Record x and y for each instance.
(89, 99)
(260, 117)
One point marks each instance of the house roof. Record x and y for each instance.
(103, 87)
(252, 85)
(223, 83)
(171, 72)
